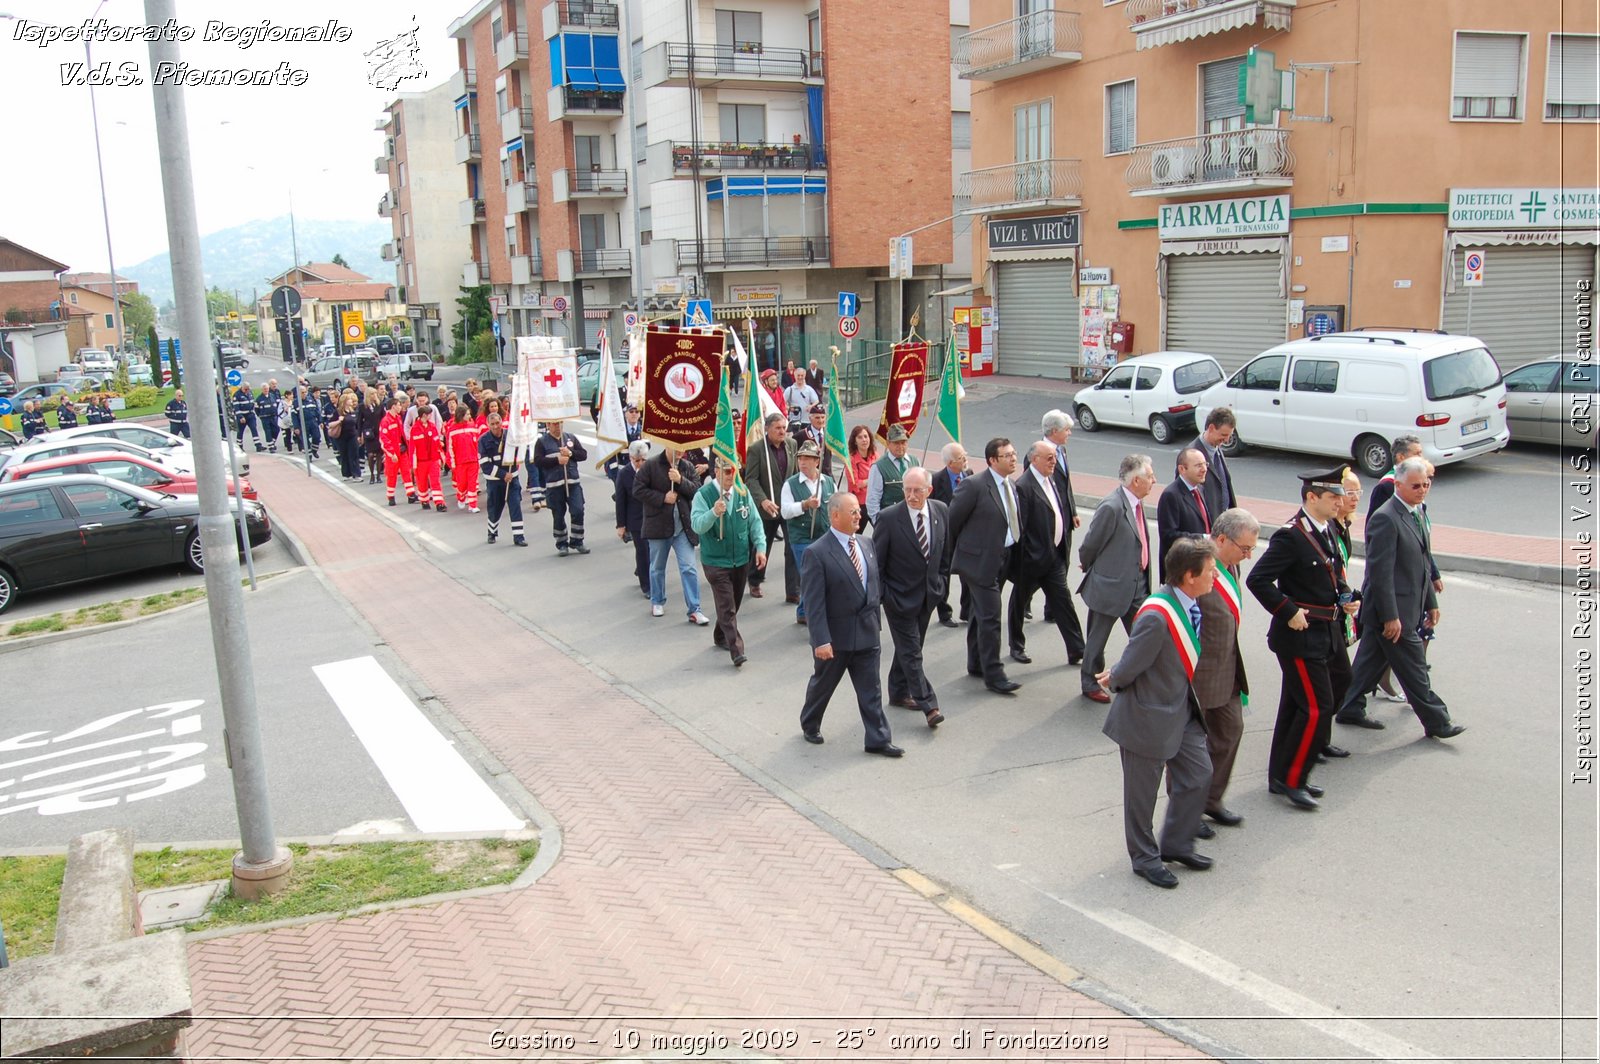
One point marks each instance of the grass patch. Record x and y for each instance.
(35, 625)
(105, 613)
(325, 879)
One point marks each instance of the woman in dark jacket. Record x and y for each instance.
(348, 442)
(368, 415)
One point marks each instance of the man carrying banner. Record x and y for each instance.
(557, 455)
(767, 465)
(497, 459)
(885, 485)
(731, 543)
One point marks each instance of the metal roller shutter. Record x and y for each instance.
(1523, 311)
(1225, 306)
(1036, 304)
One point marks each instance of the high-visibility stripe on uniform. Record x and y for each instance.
(1296, 774)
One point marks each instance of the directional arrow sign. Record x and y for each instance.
(849, 304)
(235, 378)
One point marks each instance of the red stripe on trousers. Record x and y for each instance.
(1296, 774)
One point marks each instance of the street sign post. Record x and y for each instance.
(698, 313)
(235, 378)
(285, 301)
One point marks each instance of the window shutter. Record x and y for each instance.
(1573, 75)
(1120, 119)
(1487, 65)
(1221, 89)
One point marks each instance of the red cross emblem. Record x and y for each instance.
(552, 378)
(525, 411)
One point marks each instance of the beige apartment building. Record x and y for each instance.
(1123, 188)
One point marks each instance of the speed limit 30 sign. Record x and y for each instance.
(848, 327)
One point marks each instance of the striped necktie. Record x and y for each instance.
(855, 560)
(922, 534)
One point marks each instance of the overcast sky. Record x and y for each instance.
(249, 145)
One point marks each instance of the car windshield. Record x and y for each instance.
(1461, 373)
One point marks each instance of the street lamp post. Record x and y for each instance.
(100, 166)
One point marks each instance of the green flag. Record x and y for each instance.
(950, 392)
(833, 432)
(726, 442)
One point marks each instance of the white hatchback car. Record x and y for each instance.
(1155, 391)
(151, 438)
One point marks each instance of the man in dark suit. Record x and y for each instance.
(841, 588)
(1115, 556)
(912, 542)
(1403, 447)
(1041, 557)
(630, 511)
(1057, 428)
(1396, 596)
(1182, 509)
(766, 467)
(1220, 684)
(816, 378)
(815, 430)
(1155, 718)
(945, 483)
(984, 526)
(1217, 434)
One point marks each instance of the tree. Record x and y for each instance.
(473, 303)
(138, 313)
(155, 358)
(338, 260)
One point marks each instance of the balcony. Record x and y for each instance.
(391, 251)
(461, 83)
(513, 48)
(1043, 183)
(665, 160)
(474, 274)
(567, 102)
(471, 211)
(469, 148)
(517, 122)
(1237, 160)
(380, 165)
(1159, 22)
(522, 196)
(580, 15)
(725, 64)
(590, 261)
(588, 184)
(527, 269)
(388, 203)
(741, 252)
(1019, 46)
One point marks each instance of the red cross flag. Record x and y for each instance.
(550, 371)
(636, 344)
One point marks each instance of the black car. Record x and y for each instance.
(82, 527)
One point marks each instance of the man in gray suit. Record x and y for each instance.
(840, 587)
(1395, 595)
(1155, 718)
(1115, 555)
(1220, 683)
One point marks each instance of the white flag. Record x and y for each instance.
(636, 367)
(611, 428)
(552, 377)
(768, 407)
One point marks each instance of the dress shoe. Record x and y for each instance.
(949, 622)
(1002, 687)
(792, 600)
(1197, 861)
(815, 738)
(1446, 732)
(1159, 876)
(935, 718)
(1021, 657)
(1335, 751)
(1204, 831)
(1295, 795)
(974, 672)
(756, 592)
(519, 541)
(1074, 659)
(890, 750)
(739, 659)
(904, 703)
(1312, 789)
(1361, 722)
(1225, 816)
(1318, 759)
(1098, 695)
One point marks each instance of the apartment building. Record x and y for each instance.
(428, 243)
(626, 156)
(1120, 176)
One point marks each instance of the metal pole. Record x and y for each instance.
(262, 865)
(233, 468)
(105, 211)
(694, 159)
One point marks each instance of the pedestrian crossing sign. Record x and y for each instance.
(698, 314)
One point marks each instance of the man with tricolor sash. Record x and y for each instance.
(1219, 678)
(1155, 717)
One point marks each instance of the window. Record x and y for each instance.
(1220, 109)
(402, 173)
(1539, 377)
(1195, 377)
(28, 507)
(644, 220)
(641, 138)
(93, 499)
(740, 30)
(511, 240)
(1572, 79)
(1120, 118)
(1315, 375)
(1119, 379)
(591, 231)
(1458, 374)
(1487, 83)
(111, 323)
(497, 29)
(72, 297)
(586, 152)
(743, 123)
(1262, 375)
(1149, 377)
(1033, 131)
(961, 130)
(1578, 378)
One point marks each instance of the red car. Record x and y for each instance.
(119, 465)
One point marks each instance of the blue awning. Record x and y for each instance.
(578, 58)
(463, 102)
(607, 63)
(767, 185)
(511, 146)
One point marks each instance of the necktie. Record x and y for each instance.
(855, 560)
(1011, 512)
(1201, 502)
(1055, 511)
(1144, 536)
(922, 534)
(1416, 517)
(1194, 615)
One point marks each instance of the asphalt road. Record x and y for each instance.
(1440, 884)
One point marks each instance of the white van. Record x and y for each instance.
(1350, 394)
(93, 361)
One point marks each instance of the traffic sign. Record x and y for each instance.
(354, 326)
(285, 301)
(5, 406)
(1472, 270)
(849, 304)
(848, 327)
(629, 320)
(698, 313)
(559, 303)
(495, 325)
(235, 378)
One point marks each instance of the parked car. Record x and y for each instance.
(405, 367)
(234, 357)
(40, 450)
(8, 384)
(1155, 391)
(589, 375)
(383, 344)
(118, 465)
(1553, 400)
(337, 371)
(38, 393)
(77, 385)
(93, 360)
(83, 527)
(139, 374)
(1350, 394)
(154, 439)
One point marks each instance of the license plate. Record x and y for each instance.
(1474, 426)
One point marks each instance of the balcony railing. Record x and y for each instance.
(388, 203)
(599, 182)
(525, 269)
(587, 102)
(1014, 186)
(587, 14)
(754, 251)
(1019, 46)
(513, 48)
(1236, 159)
(469, 148)
(31, 316)
(711, 64)
(602, 260)
(516, 122)
(522, 196)
(472, 210)
(461, 83)
(474, 274)
(1158, 22)
(380, 165)
(391, 251)
(725, 155)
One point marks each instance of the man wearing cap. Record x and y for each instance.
(1183, 509)
(766, 467)
(816, 431)
(731, 542)
(884, 484)
(1300, 580)
(804, 495)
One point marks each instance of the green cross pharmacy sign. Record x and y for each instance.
(1524, 208)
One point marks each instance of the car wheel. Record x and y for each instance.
(1373, 456)
(1086, 419)
(8, 590)
(1234, 447)
(1160, 428)
(193, 555)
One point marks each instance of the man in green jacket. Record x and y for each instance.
(731, 537)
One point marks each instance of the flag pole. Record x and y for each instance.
(766, 451)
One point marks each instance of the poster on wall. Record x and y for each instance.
(1098, 305)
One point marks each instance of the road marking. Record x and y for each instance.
(439, 790)
(1281, 999)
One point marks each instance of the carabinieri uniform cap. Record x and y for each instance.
(1331, 481)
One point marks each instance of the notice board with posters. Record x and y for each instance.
(974, 331)
(1098, 306)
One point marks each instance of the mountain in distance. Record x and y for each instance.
(243, 257)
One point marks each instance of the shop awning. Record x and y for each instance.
(1186, 27)
(741, 311)
(1483, 238)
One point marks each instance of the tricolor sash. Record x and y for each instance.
(1179, 627)
(1227, 588)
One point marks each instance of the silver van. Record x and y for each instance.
(337, 371)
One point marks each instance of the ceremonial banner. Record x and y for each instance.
(551, 372)
(521, 428)
(754, 413)
(636, 367)
(950, 392)
(610, 427)
(908, 371)
(726, 444)
(681, 371)
(833, 433)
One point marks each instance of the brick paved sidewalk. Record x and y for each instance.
(686, 899)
